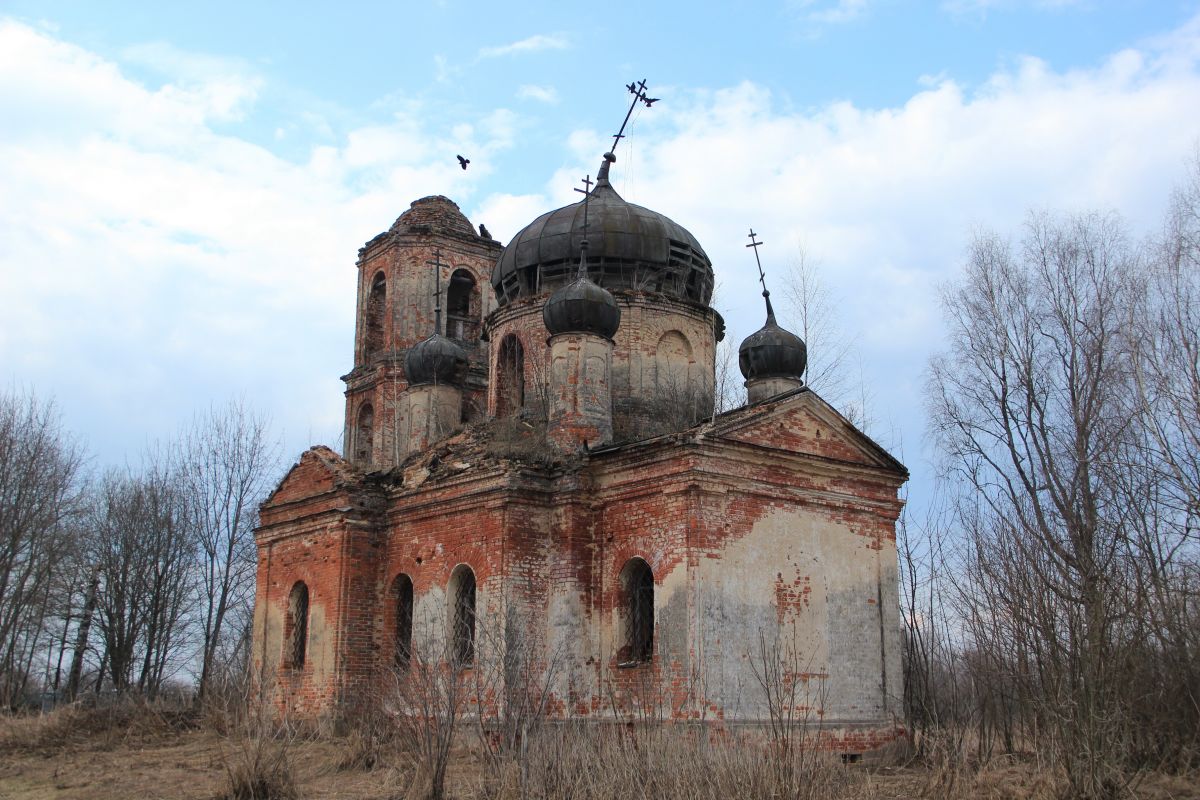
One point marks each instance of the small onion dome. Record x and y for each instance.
(434, 360)
(582, 307)
(772, 352)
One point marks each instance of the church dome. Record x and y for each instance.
(582, 307)
(434, 360)
(630, 248)
(772, 352)
(433, 213)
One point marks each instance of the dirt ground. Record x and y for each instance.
(185, 761)
(186, 764)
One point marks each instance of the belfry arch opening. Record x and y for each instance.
(637, 613)
(463, 307)
(364, 434)
(373, 313)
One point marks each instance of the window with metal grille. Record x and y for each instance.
(297, 625)
(637, 585)
(462, 593)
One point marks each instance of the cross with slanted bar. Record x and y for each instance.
(586, 191)
(638, 90)
(437, 289)
(761, 277)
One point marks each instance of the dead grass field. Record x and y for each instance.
(76, 754)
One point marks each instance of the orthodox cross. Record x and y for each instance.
(638, 90)
(754, 243)
(437, 289)
(586, 191)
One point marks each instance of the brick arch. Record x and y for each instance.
(364, 434)
(509, 373)
(674, 363)
(464, 306)
(374, 314)
(400, 598)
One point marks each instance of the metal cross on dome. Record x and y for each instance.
(586, 191)
(761, 277)
(754, 243)
(436, 263)
(638, 90)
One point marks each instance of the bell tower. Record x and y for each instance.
(395, 312)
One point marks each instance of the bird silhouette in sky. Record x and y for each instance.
(462, 162)
(649, 101)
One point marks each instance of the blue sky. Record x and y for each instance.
(183, 190)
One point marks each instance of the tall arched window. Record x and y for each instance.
(510, 377)
(364, 434)
(373, 317)
(402, 595)
(462, 615)
(637, 608)
(296, 626)
(462, 307)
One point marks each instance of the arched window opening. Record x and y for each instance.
(402, 594)
(373, 317)
(462, 307)
(637, 586)
(297, 626)
(462, 616)
(364, 435)
(510, 377)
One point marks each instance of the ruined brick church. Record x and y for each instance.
(530, 444)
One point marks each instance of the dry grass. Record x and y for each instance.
(602, 761)
(74, 753)
(125, 723)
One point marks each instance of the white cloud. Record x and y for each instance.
(886, 198)
(150, 262)
(543, 94)
(532, 44)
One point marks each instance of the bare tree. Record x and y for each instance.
(1032, 409)
(141, 546)
(229, 461)
(810, 311)
(40, 471)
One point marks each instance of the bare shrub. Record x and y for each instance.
(596, 760)
(257, 758)
(423, 704)
(520, 439)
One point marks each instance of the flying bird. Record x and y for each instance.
(649, 101)
(462, 162)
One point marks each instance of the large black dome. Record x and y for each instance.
(629, 247)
